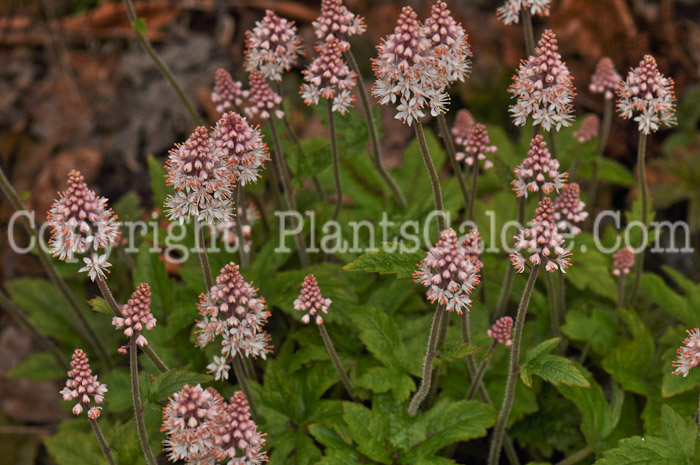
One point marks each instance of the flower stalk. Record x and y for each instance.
(336, 162)
(528, 32)
(336, 360)
(643, 191)
(432, 173)
(479, 374)
(101, 440)
(504, 296)
(430, 354)
(245, 387)
(203, 256)
(240, 214)
(602, 144)
(136, 396)
(452, 155)
(500, 428)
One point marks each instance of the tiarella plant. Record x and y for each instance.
(551, 361)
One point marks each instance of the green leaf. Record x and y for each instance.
(597, 416)
(680, 433)
(367, 429)
(541, 349)
(381, 337)
(74, 444)
(139, 25)
(38, 366)
(157, 174)
(128, 207)
(173, 380)
(597, 328)
(337, 451)
(100, 305)
(643, 451)
(666, 298)
(456, 350)
(382, 379)
(388, 260)
(554, 369)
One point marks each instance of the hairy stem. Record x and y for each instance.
(204, 256)
(602, 144)
(116, 311)
(643, 190)
(479, 375)
(242, 243)
(84, 325)
(336, 162)
(136, 396)
(500, 428)
(23, 321)
(504, 296)
(336, 360)
(577, 457)
(430, 354)
(133, 17)
(472, 195)
(283, 172)
(432, 173)
(375, 154)
(101, 440)
(245, 387)
(452, 155)
(528, 32)
(552, 298)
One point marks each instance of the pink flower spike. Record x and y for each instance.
(243, 147)
(263, 100)
(227, 92)
(605, 79)
(311, 301)
(623, 261)
(80, 221)
(338, 22)
(464, 123)
(199, 172)
(688, 354)
(589, 129)
(408, 72)
(190, 424)
(538, 171)
(569, 209)
(137, 315)
(648, 97)
(82, 385)
(476, 147)
(272, 47)
(541, 243)
(500, 331)
(329, 77)
(237, 435)
(509, 13)
(449, 40)
(233, 312)
(473, 247)
(543, 87)
(449, 271)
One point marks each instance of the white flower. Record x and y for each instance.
(219, 368)
(96, 266)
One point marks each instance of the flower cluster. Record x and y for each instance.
(589, 129)
(272, 46)
(337, 21)
(82, 385)
(136, 315)
(476, 146)
(232, 311)
(407, 70)
(81, 221)
(449, 41)
(237, 438)
(329, 77)
(509, 13)
(605, 79)
(689, 354)
(569, 209)
(500, 331)
(311, 301)
(543, 87)
(473, 246)
(263, 100)
(449, 272)
(201, 427)
(200, 174)
(541, 241)
(227, 93)
(538, 171)
(243, 146)
(623, 261)
(464, 123)
(648, 96)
